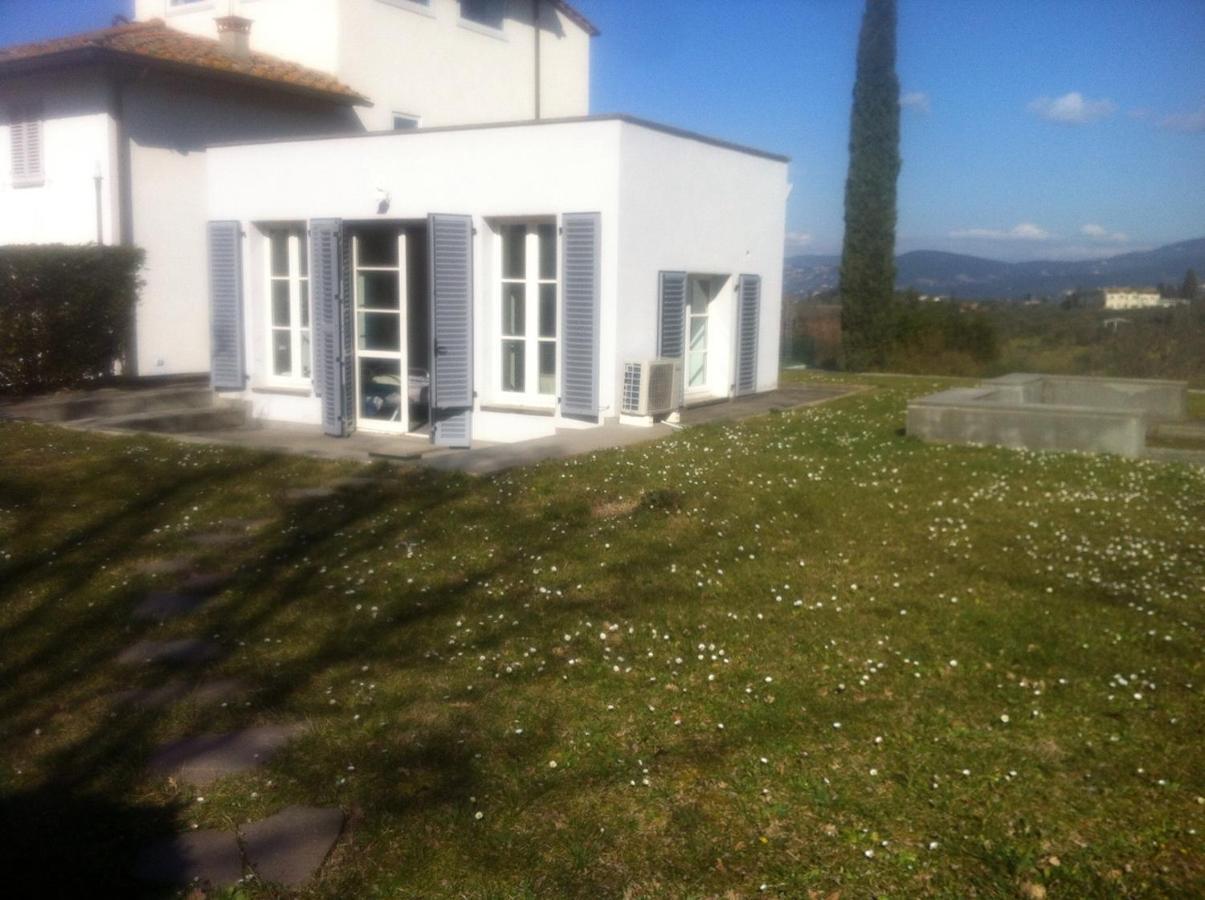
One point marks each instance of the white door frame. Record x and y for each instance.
(402, 424)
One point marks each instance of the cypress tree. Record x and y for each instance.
(868, 256)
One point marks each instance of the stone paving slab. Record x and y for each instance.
(289, 847)
(205, 693)
(162, 605)
(301, 494)
(171, 565)
(205, 758)
(204, 856)
(205, 583)
(214, 539)
(186, 651)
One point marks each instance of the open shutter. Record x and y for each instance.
(748, 310)
(332, 355)
(671, 322)
(226, 366)
(25, 135)
(580, 245)
(451, 268)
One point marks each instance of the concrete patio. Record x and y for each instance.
(482, 459)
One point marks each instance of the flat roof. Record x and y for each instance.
(524, 123)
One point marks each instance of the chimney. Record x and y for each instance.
(234, 34)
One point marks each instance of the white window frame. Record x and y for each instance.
(299, 299)
(26, 129)
(400, 425)
(485, 27)
(530, 396)
(694, 283)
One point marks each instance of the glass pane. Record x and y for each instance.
(377, 247)
(280, 252)
(514, 362)
(305, 304)
(380, 331)
(700, 292)
(381, 389)
(514, 251)
(280, 303)
(698, 332)
(282, 352)
(305, 354)
(548, 310)
(303, 254)
(547, 235)
(547, 367)
(378, 290)
(696, 364)
(487, 12)
(514, 309)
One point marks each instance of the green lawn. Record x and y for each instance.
(799, 656)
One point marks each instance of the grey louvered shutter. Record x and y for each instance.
(748, 310)
(226, 366)
(671, 322)
(331, 365)
(671, 313)
(580, 250)
(451, 273)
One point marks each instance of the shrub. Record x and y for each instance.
(65, 314)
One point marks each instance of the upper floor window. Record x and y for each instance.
(484, 12)
(25, 138)
(404, 121)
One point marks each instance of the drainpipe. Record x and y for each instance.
(125, 198)
(98, 179)
(535, 17)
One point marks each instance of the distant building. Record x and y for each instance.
(1135, 298)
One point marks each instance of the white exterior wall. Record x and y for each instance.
(665, 203)
(77, 141)
(169, 129)
(1133, 300)
(422, 60)
(692, 207)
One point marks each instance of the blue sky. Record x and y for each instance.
(1034, 128)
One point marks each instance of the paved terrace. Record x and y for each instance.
(486, 458)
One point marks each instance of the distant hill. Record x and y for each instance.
(935, 272)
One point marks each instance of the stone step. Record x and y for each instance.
(183, 652)
(203, 759)
(110, 402)
(289, 847)
(210, 857)
(204, 693)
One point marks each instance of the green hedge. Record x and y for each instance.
(65, 314)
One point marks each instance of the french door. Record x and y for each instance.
(379, 282)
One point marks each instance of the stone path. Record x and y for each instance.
(287, 848)
(203, 759)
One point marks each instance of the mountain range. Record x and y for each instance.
(972, 277)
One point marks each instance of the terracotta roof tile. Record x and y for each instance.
(155, 42)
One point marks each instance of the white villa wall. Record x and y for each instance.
(169, 130)
(422, 60)
(666, 202)
(694, 207)
(78, 144)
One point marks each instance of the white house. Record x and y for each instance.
(1134, 298)
(410, 226)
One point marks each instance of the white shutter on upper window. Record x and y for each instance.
(25, 133)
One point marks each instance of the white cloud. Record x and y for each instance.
(1072, 109)
(1188, 123)
(917, 100)
(1025, 231)
(1100, 233)
(798, 240)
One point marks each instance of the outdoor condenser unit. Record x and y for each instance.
(651, 387)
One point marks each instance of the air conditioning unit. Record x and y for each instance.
(652, 387)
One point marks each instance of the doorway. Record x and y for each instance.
(392, 333)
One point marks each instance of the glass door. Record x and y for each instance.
(696, 348)
(379, 270)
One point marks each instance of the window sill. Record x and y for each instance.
(285, 389)
(421, 9)
(513, 409)
(26, 183)
(488, 30)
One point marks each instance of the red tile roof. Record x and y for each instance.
(153, 42)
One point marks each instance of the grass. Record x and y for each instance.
(800, 656)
